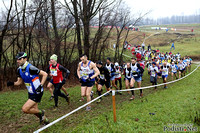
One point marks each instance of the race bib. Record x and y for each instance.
(29, 87)
(54, 72)
(85, 76)
(102, 76)
(135, 75)
(36, 82)
(153, 74)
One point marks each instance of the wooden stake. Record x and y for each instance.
(114, 105)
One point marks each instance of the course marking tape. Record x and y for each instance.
(64, 116)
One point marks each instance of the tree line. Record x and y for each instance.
(175, 19)
(45, 27)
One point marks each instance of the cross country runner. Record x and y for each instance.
(137, 71)
(118, 76)
(181, 67)
(127, 73)
(57, 81)
(29, 74)
(165, 71)
(174, 69)
(87, 71)
(104, 78)
(50, 84)
(153, 72)
(111, 69)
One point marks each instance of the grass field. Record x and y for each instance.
(179, 104)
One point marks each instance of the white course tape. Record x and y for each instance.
(160, 84)
(64, 116)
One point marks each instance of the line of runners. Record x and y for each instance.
(90, 73)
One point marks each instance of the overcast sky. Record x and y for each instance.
(161, 8)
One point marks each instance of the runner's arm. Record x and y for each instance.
(44, 77)
(19, 81)
(139, 67)
(96, 70)
(64, 70)
(78, 70)
(107, 73)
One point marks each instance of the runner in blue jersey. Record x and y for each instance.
(29, 74)
(189, 63)
(185, 61)
(87, 71)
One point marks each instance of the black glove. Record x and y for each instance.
(88, 79)
(134, 73)
(39, 89)
(48, 78)
(155, 70)
(80, 80)
(9, 83)
(64, 80)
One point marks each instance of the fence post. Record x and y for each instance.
(114, 105)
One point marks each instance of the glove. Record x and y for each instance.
(39, 89)
(80, 80)
(64, 80)
(9, 83)
(155, 70)
(48, 78)
(88, 79)
(134, 73)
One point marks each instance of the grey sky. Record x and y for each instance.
(161, 8)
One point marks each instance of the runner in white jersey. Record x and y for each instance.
(87, 71)
(137, 71)
(181, 67)
(178, 55)
(153, 72)
(127, 73)
(174, 69)
(118, 76)
(165, 71)
(111, 69)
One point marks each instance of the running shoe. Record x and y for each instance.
(132, 98)
(68, 99)
(88, 108)
(51, 98)
(91, 95)
(99, 100)
(82, 99)
(107, 94)
(141, 95)
(120, 93)
(41, 116)
(46, 121)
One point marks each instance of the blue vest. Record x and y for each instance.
(31, 81)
